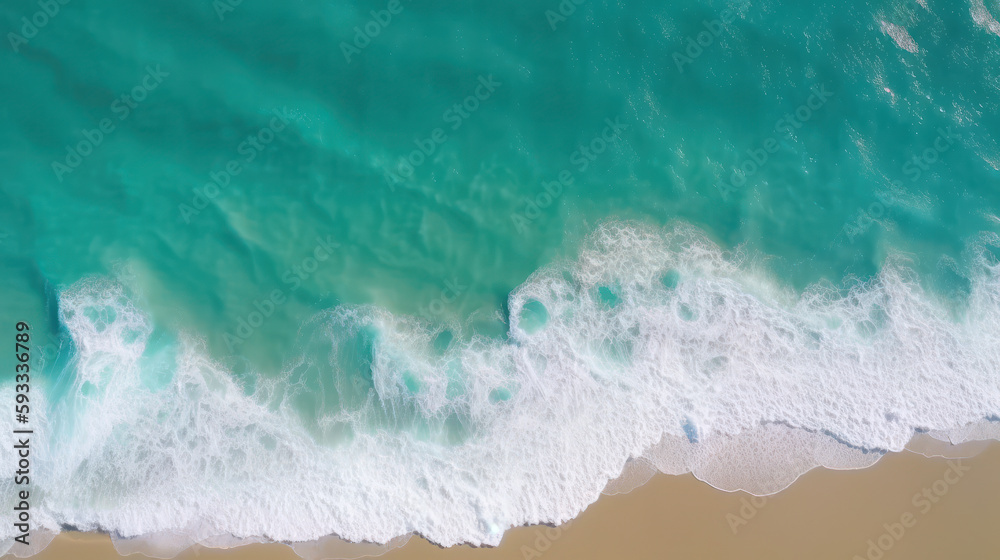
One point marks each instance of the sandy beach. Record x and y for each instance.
(907, 506)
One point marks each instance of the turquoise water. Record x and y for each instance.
(374, 261)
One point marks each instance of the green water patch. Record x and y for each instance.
(456, 386)
(457, 428)
(685, 312)
(411, 382)
(952, 287)
(617, 351)
(443, 341)
(355, 360)
(499, 395)
(875, 323)
(158, 363)
(608, 297)
(670, 279)
(533, 316)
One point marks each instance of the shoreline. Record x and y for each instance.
(907, 505)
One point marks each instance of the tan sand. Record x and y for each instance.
(824, 515)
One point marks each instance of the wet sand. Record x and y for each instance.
(915, 507)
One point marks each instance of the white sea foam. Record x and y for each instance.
(900, 35)
(652, 349)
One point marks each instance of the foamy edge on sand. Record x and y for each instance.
(654, 349)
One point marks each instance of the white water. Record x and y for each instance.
(769, 383)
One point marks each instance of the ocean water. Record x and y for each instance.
(380, 268)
